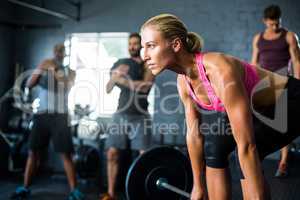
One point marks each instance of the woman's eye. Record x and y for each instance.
(151, 46)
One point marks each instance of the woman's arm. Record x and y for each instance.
(194, 139)
(228, 80)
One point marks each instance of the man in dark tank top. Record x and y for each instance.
(277, 49)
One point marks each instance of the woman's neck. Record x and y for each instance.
(186, 64)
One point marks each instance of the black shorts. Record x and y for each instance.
(274, 127)
(218, 138)
(54, 126)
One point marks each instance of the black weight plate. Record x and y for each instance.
(160, 162)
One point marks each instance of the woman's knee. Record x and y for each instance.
(33, 155)
(218, 183)
(66, 156)
(217, 176)
(113, 155)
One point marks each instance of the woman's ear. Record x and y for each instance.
(177, 44)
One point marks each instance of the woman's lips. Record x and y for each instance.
(151, 66)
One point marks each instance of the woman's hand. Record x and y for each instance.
(198, 193)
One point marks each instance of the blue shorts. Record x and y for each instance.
(129, 131)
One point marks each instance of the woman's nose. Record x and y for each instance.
(144, 54)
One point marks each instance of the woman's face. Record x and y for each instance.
(157, 52)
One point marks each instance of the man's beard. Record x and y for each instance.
(134, 53)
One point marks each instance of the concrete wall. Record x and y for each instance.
(226, 26)
(6, 47)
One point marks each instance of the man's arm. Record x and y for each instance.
(72, 76)
(116, 72)
(68, 79)
(110, 85)
(194, 138)
(138, 85)
(35, 76)
(233, 95)
(255, 50)
(63, 77)
(294, 52)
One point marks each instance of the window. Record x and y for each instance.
(92, 55)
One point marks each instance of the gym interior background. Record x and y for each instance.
(27, 37)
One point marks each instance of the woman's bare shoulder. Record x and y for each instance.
(217, 60)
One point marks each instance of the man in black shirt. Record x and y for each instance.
(130, 127)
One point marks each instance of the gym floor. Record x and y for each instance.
(55, 187)
(281, 189)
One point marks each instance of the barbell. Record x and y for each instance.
(160, 173)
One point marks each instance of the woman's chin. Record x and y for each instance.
(156, 71)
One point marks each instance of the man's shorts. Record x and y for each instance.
(51, 126)
(129, 131)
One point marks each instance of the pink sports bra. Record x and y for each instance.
(251, 78)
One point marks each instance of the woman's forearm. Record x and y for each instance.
(195, 149)
(251, 168)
